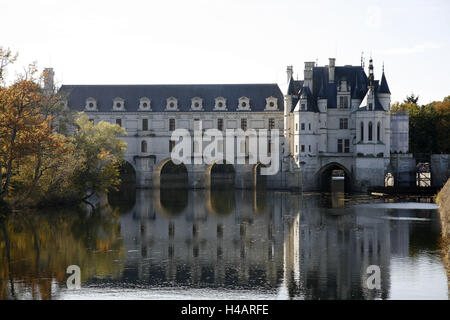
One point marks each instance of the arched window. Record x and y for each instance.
(362, 131)
(143, 146)
(370, 131)
(378, 131)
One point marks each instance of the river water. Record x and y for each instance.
(225, 244)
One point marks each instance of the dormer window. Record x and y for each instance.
(220, 103)
(343, 86)
(197, 104)
(144, 104)
(271, 103)
(91, 104)
(172, 104)
(118, 104)
(244, 103)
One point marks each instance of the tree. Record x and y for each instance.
(24, 128)
(411, 99)
(104, 154)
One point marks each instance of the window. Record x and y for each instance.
(220, 124)
(339, 145)
(196, 103)
(91, 104)
(145, 124)
(362, 131)
(378, 131)
(220, 103)
(296, 148)
(244, 124)
(343, 123)
(244, 103)
(309, 148)
(271, 123)
(370, 106)
(296, 127)
(119, 122)
(303, 148)
(144, 103)
(172, 104)
(171, 145)
(269, 146)
(303, 126)
(370, 131)
(303, 106)
(271, 103)
(309, 126)
(347, 145)
(343, 102)
(144, 146)
(171, 124)
(118, 104)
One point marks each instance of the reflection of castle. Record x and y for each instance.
(311, 253)
(281, 242)
(201, 244)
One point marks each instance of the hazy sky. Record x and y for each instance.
(150, 42)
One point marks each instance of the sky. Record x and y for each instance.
(232, 41)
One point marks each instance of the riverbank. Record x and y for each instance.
(443, 200)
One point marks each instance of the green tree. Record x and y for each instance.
(103, 152)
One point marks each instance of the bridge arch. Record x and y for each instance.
(325, 173)
(220, 175)
(169, 175)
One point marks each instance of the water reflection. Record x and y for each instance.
(263, 243)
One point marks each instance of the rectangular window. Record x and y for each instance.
(244, 124)
(171, 124)
(269, 146)
(296, 148)
(145, 124)
(303, 126)
(339, 145)
(309, 148)
(347, 145)
(171, 145)
(296, 127)
(303, 106)
(370, 106)
(343, 123)
(343, 102)
(119, 122)
(271, 123)
(220, 124)
(303, 148)
(309, 126)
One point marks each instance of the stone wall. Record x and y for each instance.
(443, 200)
(440, 166)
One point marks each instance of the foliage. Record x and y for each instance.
(48, 153)
(429, 125)
(103, 154)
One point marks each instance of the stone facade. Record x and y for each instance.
(336, 118)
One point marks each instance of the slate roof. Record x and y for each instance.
(322, 88)
(383, 88)
(104, 95)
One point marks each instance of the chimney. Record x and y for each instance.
(49, 75)
(289, 71)
(308, 74)
(331, 65)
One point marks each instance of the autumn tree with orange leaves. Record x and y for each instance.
(38, 162)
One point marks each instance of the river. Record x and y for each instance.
(225, 244)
